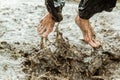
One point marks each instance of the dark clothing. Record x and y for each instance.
(90, 7)
(87, 8)
(54, 7)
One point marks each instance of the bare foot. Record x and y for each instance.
(87, 31)
(46, 25)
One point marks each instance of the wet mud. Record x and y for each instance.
(69, 63)
(63, 55)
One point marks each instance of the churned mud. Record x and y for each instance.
(63, 55)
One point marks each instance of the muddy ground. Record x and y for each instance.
(64, 56)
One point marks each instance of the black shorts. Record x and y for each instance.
(87, 8)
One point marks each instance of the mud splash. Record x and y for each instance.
(64, 57)
(68, 63)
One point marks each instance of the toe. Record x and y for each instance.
(91, 43)
(45, 34)
(42, 31)
(39, 27)
(98, 43)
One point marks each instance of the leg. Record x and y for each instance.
(54, 8)
(87, 31)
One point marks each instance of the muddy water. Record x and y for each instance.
(18, 35)
(10, 68)
(15, 24)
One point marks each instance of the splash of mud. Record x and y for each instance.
(58, 60)
(67, 62)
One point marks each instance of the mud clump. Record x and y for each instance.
(66, 63)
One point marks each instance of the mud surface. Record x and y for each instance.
(64, 55)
